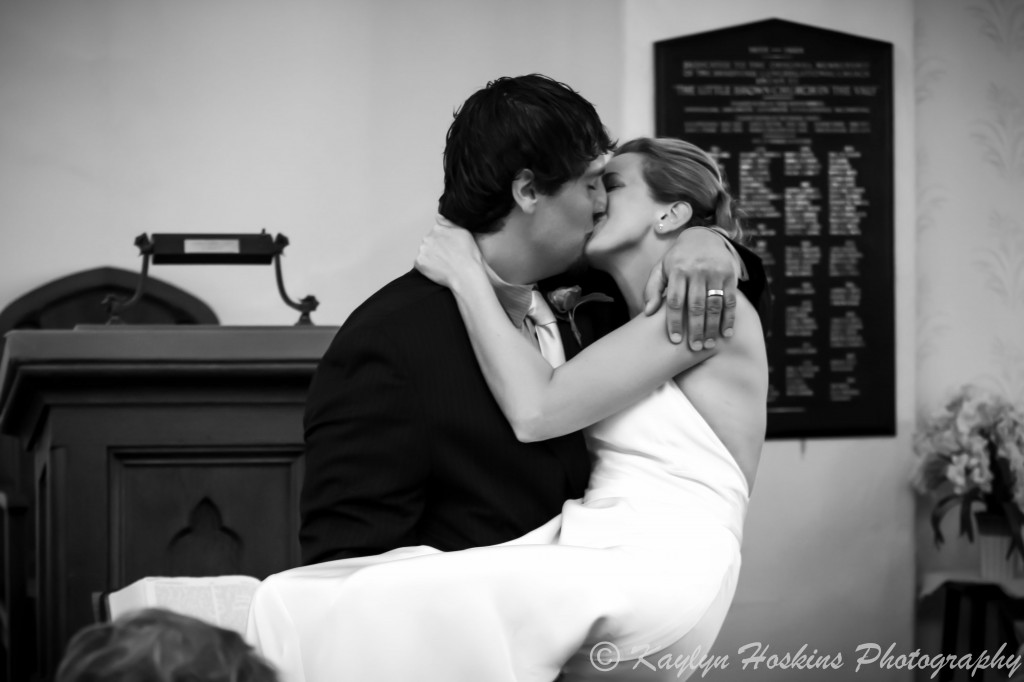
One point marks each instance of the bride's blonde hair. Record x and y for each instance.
(676, 170)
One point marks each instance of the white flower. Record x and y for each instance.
(956, 472)
(973, 447)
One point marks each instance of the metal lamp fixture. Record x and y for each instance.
(210, 249)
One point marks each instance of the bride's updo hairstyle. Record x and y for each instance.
(676, 170)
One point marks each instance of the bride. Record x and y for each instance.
(643, 568)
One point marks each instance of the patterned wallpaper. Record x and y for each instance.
(969, 80)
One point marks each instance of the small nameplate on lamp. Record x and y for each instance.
(221, 248)
(212, 246)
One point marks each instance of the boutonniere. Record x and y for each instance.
(565, 300)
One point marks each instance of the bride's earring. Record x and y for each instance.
(661, 225)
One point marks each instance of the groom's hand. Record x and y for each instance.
(700, 261)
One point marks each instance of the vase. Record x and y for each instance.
(993, 547)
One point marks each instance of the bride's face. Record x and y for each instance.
(631, 213)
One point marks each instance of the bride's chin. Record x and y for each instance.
(595, 256)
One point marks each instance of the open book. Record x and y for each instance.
(222, 600)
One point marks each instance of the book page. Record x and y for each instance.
(127, 599)
(221, 600)
(191, 600)
(232, 600)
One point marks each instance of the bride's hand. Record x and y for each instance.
(448, 252)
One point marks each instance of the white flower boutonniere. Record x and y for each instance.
(565, 300)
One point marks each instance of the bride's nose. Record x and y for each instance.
(600, 198)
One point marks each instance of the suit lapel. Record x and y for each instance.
(569, 343)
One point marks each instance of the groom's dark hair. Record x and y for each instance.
(526, 122)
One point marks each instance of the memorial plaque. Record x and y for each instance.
(800, 120)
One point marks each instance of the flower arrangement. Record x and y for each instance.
(971, 454)
(565, 300)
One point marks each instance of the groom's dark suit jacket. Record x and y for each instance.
(405, 444)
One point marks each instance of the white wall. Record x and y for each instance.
(970, 228)
(325, 120)
(828, 547)
(320, 119)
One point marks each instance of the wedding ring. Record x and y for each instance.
(716, 292)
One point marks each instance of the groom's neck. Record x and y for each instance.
(509, 256)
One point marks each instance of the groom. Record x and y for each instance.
(404, 443)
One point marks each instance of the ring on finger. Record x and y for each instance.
(716, 292)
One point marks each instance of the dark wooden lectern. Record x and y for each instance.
(155, 451)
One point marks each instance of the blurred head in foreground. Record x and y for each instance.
(156, 645)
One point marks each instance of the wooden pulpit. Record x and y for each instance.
(155, 451)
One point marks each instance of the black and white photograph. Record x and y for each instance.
(547, 341)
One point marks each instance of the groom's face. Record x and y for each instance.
(566, 219)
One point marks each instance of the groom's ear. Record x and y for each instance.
(524, 190)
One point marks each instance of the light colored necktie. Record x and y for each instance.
(545, 328)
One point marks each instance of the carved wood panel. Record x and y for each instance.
(197, 511)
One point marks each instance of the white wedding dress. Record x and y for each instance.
(644, 565)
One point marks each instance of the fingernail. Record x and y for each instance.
(697, 345)
(710, 343)
(676, 338)
(728, 333)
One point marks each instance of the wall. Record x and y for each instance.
(970, 162)
(828, 547)
(319, 119)
(969, 86)
(326, 121)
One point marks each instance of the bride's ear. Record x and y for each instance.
(674, 218)
(524, 190)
